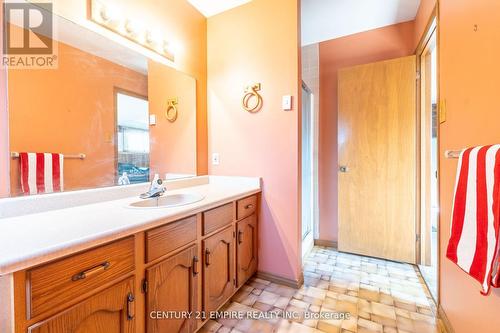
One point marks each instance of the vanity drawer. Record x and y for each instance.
(167, 238)
(62, 281)
(246, 207)
(217, 218)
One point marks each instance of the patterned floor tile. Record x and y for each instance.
(347, 294)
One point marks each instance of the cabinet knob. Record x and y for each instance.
(130, 306)
(207, 257)
(195, 265)
(240, 237)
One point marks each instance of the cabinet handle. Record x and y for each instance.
(195, 265)
(240, 234)
(130, 306)
(91, 271)
(207, 257)
(249, 206)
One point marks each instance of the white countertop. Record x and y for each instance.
(33, 239)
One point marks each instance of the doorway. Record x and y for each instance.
(309, 162)
(429, 153)
(132, 138)
(377, 159)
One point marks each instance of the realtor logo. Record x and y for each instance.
(28, 37)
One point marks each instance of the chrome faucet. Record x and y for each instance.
(155, 190)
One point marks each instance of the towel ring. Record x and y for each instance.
(171, 113)
(251, 91)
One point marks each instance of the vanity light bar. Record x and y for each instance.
(111, 19)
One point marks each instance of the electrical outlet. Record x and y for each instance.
(215, 159)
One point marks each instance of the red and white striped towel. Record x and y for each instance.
(41, 172)
(473, 243)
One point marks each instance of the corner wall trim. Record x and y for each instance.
(296, 284)
(327, 243)
(445, 322)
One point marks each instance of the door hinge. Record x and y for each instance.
(144, 286)
(417, 238)
(417, 75)
(234, 281)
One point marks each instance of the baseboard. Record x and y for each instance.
(281, 280)
(327, 243)
(444, 320)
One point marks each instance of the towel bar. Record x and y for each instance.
(80, 156)
(452, 153)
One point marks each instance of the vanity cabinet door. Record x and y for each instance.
(218, 264)
(246, 244)
(110, 311)
(173, 286)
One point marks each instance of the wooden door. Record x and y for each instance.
(112, 310)
(246, 254)
(377, 159)
(219, 275)
(173, 286)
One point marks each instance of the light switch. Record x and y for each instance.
(215, 159)
(286, 103)
(152, 119)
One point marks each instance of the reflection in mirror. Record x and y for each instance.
(132, 118)
(88, 122)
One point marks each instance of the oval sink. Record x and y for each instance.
(169, 200)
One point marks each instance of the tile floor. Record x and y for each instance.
(372, 295)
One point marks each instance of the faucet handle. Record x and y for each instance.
(156, 188)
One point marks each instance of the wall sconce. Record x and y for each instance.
(251, 93)
(111, 19)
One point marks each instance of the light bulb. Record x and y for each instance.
(109, 14)
(152, 37)
(166, 47)
(132, 27)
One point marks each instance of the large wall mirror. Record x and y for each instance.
(101, 118)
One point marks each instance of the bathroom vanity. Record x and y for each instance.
(79, 253)
(109, 267)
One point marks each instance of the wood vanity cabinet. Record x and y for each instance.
(246, 243)
(112, 310)
(219, 280)
(173, 286)
(138, 283)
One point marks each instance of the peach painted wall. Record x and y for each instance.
(178, 21)
(469, 83)
(173, 145)
(258, 42)
(70, 110)
(370, 46)
(4, 125)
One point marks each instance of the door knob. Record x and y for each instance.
(343, 168)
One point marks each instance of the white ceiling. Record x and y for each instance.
(328, 19)
(214, 7)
